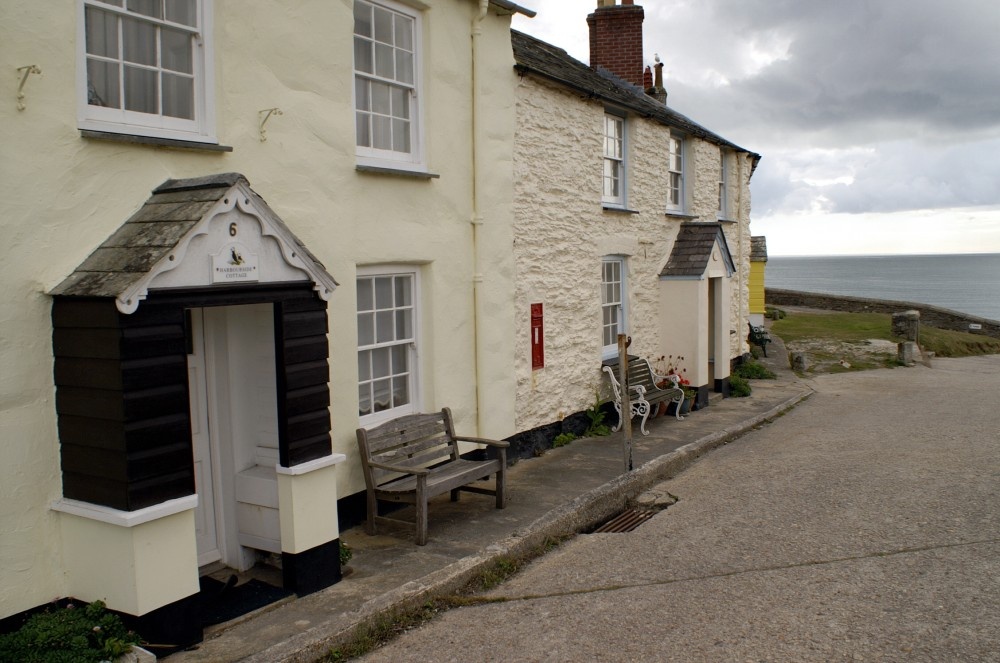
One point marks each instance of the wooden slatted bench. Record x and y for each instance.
(414, 458)
(643, 383)
(758, 336)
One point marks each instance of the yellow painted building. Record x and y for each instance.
(758, 263)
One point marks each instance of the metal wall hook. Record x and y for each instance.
(24, 72)
(263, 116)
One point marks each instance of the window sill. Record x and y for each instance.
(379, 170)
(681, 215)
(620, 210)
(725, 220)
(133, 139)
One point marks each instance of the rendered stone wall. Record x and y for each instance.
(562, 232)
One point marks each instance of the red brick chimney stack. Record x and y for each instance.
(616, 39)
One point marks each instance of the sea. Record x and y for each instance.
(969, 283)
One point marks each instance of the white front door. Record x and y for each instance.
(205, 476)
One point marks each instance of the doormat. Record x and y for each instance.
(223, 601)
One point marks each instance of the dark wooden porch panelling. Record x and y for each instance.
(122, 403)
(122, 394)
(302, 353)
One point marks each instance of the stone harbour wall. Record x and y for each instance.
(933, 316)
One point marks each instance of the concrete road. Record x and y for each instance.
(862, 526)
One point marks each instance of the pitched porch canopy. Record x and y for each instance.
(122, 334)
(150, 249)
(697, 247)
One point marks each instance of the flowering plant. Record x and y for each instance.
(670, 365)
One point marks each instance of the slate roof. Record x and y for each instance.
(693, 249)
(758, 249)
(550, 62)
(156, 229)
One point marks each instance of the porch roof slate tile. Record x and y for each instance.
(154, 230)
(692, 250)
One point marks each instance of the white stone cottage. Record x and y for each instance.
(186, 182)
(628, 218)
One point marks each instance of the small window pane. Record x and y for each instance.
(140, 41)
(400, 391)
(364, 365)
(366, 329)
(182, 11)
(178, 96)
(404, 67)
(102, 84)
(384, 330)
(404, 323)
(403, 286)
(366, 302)
(384, 65)
(363, 59)
(383, 25)
(380, 99)
(400, 361)
(102, 33)
(400, 98)
(383, 292)
(145, 7)
(381, 133)
(364, 399)
(175, 50)
(140, 90)
(400, 135)
(361, 99)
(380, 363)
(382, 394)
(364, 130)
(362, 19)
(404, 32)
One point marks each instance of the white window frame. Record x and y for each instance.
(676, 168)
(120, 121)
(412, 345)
(620, 307)
(614, 159)
(380, 158)
(723, 212)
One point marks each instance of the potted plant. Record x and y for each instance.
(672, 369)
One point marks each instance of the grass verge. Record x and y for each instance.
(839, 342)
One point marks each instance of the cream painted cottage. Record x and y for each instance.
(234, 232)
(629, 218)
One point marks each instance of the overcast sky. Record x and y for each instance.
(878, 120)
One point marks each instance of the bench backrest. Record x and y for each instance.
(640, 374)
(414, 440)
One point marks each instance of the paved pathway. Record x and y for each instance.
(862, 525)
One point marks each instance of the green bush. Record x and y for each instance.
(738, 387)
(74, 634)
(597, 427)
(752, 370)
(345, 553)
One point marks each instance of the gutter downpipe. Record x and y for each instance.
(477, 219)
(744, 314)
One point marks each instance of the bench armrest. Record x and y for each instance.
(402, 469)
(483, 440)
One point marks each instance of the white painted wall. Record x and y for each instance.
(64, 195)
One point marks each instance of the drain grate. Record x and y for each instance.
(625, 522)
